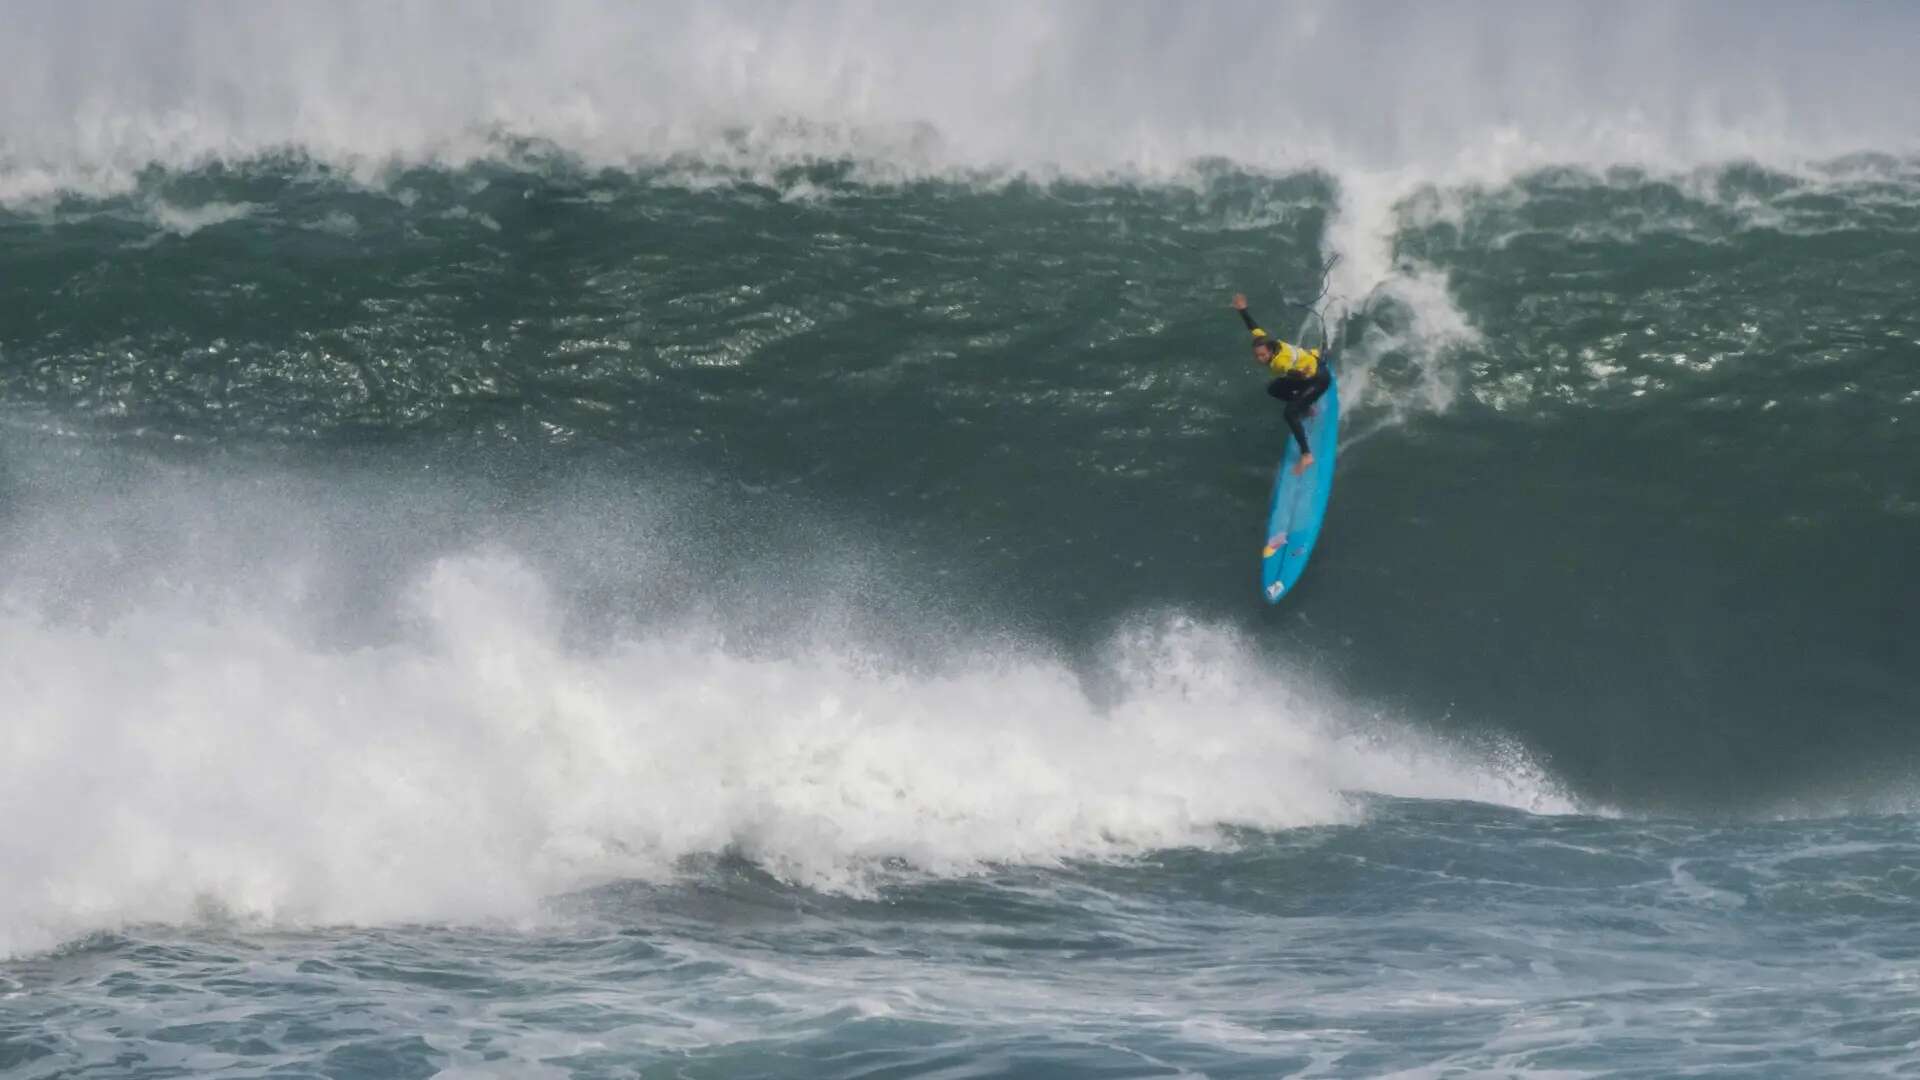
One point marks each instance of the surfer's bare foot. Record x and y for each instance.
(1306, 460)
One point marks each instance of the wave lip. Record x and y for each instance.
(100, 92)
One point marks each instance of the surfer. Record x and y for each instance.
(1299, 378)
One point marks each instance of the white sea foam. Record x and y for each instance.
(194, 748)
(187, 220)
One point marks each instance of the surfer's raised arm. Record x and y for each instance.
(1240, 305)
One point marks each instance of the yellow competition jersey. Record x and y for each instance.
(1290, 360)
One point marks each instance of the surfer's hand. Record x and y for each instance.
(1305, 461)
(1239, 301)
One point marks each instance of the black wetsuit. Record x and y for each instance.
(1299, 392)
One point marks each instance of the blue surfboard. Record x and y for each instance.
(1300, 502)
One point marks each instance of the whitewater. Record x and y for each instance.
(722, 541)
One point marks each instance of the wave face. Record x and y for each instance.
(1646, 510)
(466, 465)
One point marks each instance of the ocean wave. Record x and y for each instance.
(191, 754)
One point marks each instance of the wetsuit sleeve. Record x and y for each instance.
(1247, 317)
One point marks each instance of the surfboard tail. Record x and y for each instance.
(1299, 503)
